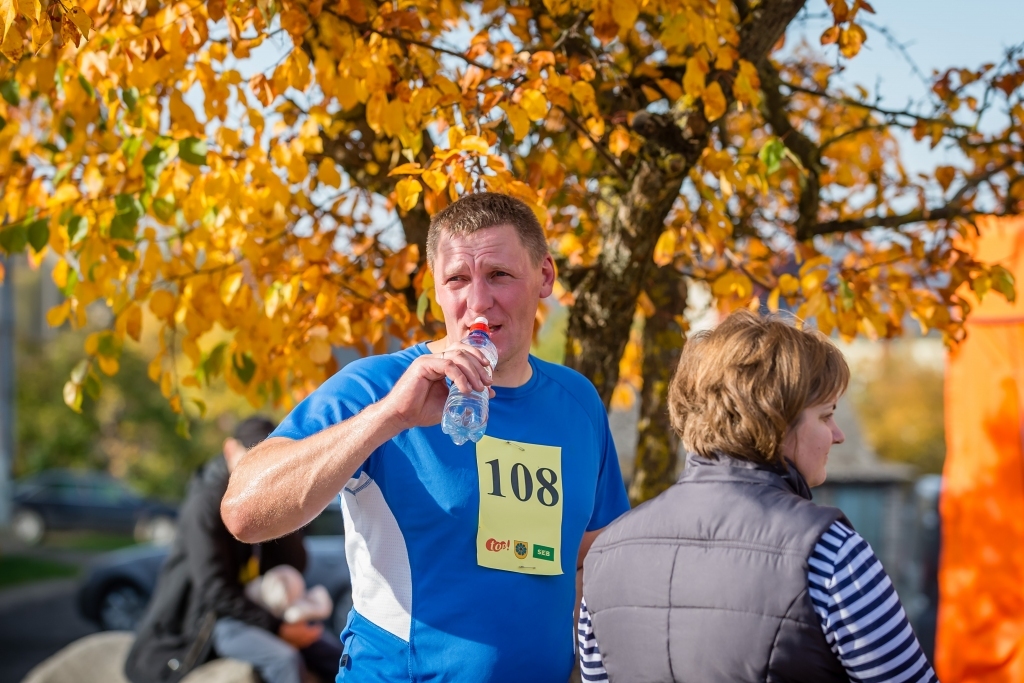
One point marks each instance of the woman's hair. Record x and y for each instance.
(741, 386)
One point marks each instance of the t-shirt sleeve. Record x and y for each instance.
(610, 500)
(342, 396)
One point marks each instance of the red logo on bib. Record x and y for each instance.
(496, 546)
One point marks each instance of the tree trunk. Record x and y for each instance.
(657, 444)
(606, 296)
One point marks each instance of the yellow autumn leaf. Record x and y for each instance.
(622, 397)
(163, 304)
(694, 80)
(56, 316)
(625, 13)
(13, 46)
(519, 119)
(714, 102)
(618, 141)
(30, 9)
(474, 143)
(327, 173)
(436, 179)
(133, 321)
(788, 285)
(945, 176)
(406, 169)
(109, 366)
(534, 104)
(408, 193)
(82, 20)
(8, 13)
(319, 350)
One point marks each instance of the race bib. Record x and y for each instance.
(520, 528)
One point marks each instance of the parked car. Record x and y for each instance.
(72, 499)
(119, 584)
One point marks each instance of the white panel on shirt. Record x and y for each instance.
(378, 558)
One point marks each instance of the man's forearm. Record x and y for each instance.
(282, 484)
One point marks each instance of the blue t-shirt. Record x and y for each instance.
(424, 609)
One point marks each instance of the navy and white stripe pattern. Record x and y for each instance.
(860, 613)
(591, 665)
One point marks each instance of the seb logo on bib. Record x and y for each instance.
(520, 527)
(521, 549)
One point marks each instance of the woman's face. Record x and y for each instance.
(808, 442)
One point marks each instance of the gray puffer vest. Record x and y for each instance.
(707, 583)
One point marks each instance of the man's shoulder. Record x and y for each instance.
(374, 371)
(572, 383)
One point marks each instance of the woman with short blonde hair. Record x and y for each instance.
(733, 574)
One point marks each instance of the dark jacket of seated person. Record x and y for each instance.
(733, 575)
(201, 584)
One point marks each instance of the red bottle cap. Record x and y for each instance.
(480, 325)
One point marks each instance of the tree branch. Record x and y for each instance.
(612, 161)
(955, 208)
(803, 147)
(408, 41)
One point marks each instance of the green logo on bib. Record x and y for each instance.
(542, 552)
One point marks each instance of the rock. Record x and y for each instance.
(99, 658)
(222, 671)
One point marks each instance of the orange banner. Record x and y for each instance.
(980, 633)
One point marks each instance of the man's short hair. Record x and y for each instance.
(253, 430)
(488, 210)
(741, 386)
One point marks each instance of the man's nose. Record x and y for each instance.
(480, 298)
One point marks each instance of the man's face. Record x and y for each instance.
(490, 273)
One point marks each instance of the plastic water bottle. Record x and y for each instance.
(465, 415)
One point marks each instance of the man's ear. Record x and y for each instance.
(548, 274)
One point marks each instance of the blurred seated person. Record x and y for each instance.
(200, 608)
(733, 575)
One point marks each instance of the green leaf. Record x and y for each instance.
(153, 160)
(13, 239)
(846, 296)
(79, 371)
(1004, 282)
(193, 150)
(182, 427)
(86, 86)
(771, 155)
(73, 396)
(108, 346)
(201, 407)
(213, 364)
(244, 366)
(130, 97)
(164, 209)
(39, 233)
(92, 385)
(69, 287)
(125, 254)
(129, 211)
(131, 147)
(9, 91)
(421, 307)
(76, 225)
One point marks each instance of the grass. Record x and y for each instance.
(88, 540)
(15, 569)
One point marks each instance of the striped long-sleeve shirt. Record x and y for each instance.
(861, 616)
